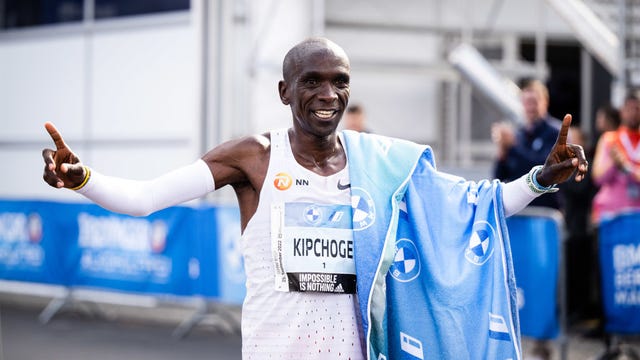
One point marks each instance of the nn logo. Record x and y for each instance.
(282, 181)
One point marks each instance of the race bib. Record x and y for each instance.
(312, 247)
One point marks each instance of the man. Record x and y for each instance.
(301, 254)
(518, 151)
(355, 119)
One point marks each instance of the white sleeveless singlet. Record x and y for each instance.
(285, 324)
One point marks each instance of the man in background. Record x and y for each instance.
(355, 119)
(520, 149)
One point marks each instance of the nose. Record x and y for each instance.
(327, 92)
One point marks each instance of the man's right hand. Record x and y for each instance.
(62, 168)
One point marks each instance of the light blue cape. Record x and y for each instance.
(433, 263)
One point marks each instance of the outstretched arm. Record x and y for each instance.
(139, 198)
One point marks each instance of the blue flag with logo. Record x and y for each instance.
(620, 274)
(435, 276)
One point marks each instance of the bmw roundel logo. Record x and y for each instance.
(312, 215)
(406, 263)
(363, 207)
(480, 246)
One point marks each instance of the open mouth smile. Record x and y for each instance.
(325, 114)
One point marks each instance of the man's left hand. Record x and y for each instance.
(564, 160)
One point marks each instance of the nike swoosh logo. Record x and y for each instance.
(343, 187)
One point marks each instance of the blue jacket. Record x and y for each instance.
(433, 263)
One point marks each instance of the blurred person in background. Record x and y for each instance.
(581, 247)
(607, 119)
(518, 149)
(616, 165)
(616, 173)
(286, 179)
(355, 119)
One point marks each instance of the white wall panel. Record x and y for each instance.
(145, 83)
(41, 79)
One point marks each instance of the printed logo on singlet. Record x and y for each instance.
(406, 264)
(480, 247)
(344, 186)
(283, 181)
(364, 210)
(313, 215)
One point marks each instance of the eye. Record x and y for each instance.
(342, 84)
(311, 82)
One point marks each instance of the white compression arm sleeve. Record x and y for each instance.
(516, 195)
(141, 198)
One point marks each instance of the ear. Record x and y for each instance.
(282, 90)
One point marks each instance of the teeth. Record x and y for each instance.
(324, 114)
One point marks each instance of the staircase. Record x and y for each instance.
(627, 28)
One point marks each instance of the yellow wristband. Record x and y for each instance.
(87, 175)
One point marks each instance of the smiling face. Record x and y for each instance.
(531, 102)
(535, 101)
(316, 85)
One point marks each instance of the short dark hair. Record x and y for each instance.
(611, 113)
(632, 94)
(354, 109)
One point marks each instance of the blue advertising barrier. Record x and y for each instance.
(620, 272)
(179, 251)
(220, 260)
(154, 254)
(536, 242)
(29, 253)
(230, 263)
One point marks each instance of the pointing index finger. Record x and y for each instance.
(55, 135)
(564, 130)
